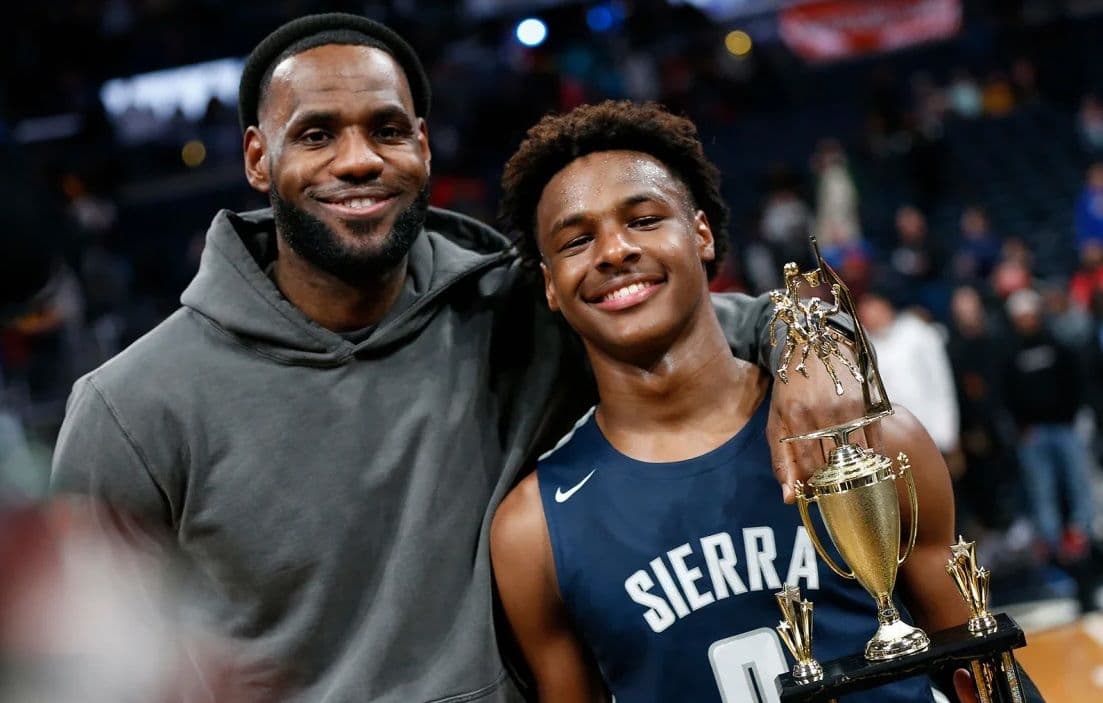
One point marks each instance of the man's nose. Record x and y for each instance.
(356, 158)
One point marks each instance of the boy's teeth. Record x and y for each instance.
(627, 290)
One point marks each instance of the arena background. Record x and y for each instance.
(943, 151)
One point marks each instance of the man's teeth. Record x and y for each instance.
(357, 203)
(626, 291)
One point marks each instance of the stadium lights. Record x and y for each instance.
(531, 32)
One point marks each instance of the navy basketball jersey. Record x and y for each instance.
(669, 570)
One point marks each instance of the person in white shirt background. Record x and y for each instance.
(911, 355)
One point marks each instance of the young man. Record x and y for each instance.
(651, 536)
(348, 389)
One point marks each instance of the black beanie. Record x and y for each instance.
(275, 43)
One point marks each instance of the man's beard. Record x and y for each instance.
(315, 242)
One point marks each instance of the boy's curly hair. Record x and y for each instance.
(557, 140)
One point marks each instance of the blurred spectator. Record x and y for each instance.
(1094, 359)
(912, 359)
(1088, 279)
(40, 318)
(1015, 250)
(1014, 270)
(997, 97)
(930, 104)
(1089, 208)
(1010, 276)
(927, 154)
(838, 230)
(786, 223)
(1042, 389)
(219, 132)
(986, 486)
(836, 198)
(24, 464)
(915, 262)
(44, 348)
(93, 614)
(1070, 324)
(979, 247)
(1024, 82)
(1089, 123)
(964, 95)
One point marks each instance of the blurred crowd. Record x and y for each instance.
(957, 187)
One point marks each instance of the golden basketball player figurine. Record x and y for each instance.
(806, 326)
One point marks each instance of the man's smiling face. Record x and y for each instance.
(343, 157)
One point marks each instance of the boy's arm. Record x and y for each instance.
(801, 405)
(925, 586)
(524, 570)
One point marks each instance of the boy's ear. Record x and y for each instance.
(549, 288)
(706, 244)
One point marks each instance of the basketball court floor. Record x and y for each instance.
(1065, 660)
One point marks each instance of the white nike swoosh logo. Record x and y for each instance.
(562, 496)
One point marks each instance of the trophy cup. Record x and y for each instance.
(857, 497)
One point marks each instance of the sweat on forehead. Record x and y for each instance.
(592, 174)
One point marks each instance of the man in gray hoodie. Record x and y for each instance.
(349, 388)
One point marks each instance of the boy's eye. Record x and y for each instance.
(576, 242)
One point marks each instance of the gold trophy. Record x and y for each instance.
(973, 584)
(856, 489)
(795, 630)
(996, 677)
(858, 500)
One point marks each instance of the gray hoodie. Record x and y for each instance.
(336, 495)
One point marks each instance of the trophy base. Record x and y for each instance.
(982, 624)
(807, 672)
(896, 639)
(955, 646)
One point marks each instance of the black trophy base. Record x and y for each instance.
(955, 645)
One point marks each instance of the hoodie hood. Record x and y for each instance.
(233, 291)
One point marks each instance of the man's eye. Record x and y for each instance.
(314, 136)
(392, 132)
(646, 221)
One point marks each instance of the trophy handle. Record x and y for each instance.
(906, 473)
(806, 518)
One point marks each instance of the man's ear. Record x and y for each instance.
(255, 148)
(423, 144)
(706, 244)
(549, 288)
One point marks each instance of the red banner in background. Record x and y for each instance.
(837, 29)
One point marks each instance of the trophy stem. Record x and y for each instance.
(894, 638)
(887, 613)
